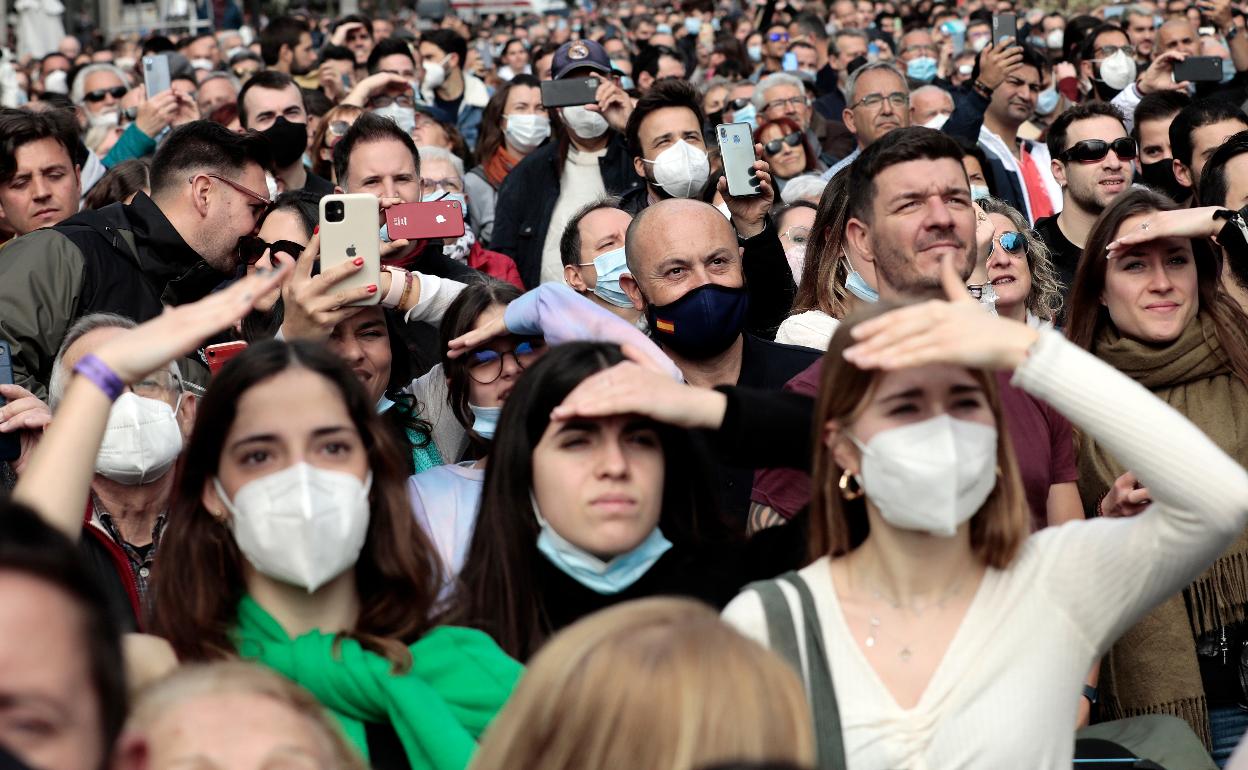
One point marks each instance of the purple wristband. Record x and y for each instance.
(100, 375)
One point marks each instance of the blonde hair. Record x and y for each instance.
(234, 677)
(837, 525)
(1045, 299)
(657, 683)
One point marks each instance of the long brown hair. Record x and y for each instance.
(822, 286)
(1087, 317)
(837, 525)
(200, 581)
(321, 167)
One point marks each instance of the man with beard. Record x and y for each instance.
(879, 101)
(97, 92)
(286, 46)
(1093, 161)
(664, 135)
(272, 104)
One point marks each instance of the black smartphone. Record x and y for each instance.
(1004, 25)
(1198, 69)
(569, 92)
(10, 444)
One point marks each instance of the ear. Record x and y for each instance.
(338, 190)
(644, 81)
(572, 277)
(640, 167)
(186, 414)
(1182, 174)
(285, 54)
(844, 453)
(1085, 69)
(858, 235)
(200, 198)
(847, 117)
(1059, 172)
(629, 284)
(213, 502)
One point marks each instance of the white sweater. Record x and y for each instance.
(1006, 693)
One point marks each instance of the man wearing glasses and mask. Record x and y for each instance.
(208, 191)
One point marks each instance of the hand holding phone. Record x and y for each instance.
(156, 74)
(569, 92)
(348, 234)
(1004, 25)
(1198, 69)
(218, 355)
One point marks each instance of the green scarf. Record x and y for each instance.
(458, 681)
(1153, 668)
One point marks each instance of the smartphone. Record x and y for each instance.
(789, 62)
(218, 355)
(156, 74)
(569, 92)
(429, 219)
(349, 231)
(1196, 69)
(736, 147)
(1207, 31)
(10, 444)
(1004, 25)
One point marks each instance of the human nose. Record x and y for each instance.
(886, 106)
(611, 461)
(42, 189)
(389, 188)
(1159, 281)
(938, 214)
(350, 350)
(510, 366)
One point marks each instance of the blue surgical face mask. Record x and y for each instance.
(627, 83)
(922, 69)
(384, 404)
(1228, 70)
(439, 195)
(693, 25)
(858, 286)
(610, 266)
(663, 29)
(1046, 102)
(747, 114)
(603, 577)
(979, 192)
(755, 52)
(485, 420)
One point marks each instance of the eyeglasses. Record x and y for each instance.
(776, 37)
(485, 366)
(100, 94)
(1012, 242)
(251, 248)
(792, 101)
(737, 104)
(797, 234)
(157, 385)
(257, 211)
(931, 50)
(1106, 51)
(1094, 150)
(451, 184)
(897, 100)
(403, 100)
(773, 147)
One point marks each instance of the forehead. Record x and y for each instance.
(369, 316)
(682, 233)
(427, 48)
(395, 62)
(438, 168)
(781, 91)
(1156, 130)
(274, 406)
(928, 96)
(922, 175)
(877, 81)
(1111, 37)
(212, 727)
(1099, 127)
(381, 156)
(602, 222)
(1237, 179)
(86, 343)
(916, 37)
(798, 215)
(1001, 223)
(1216, 133)
(850, 43)
(216, 84)
(523, 94)
(283, 225)
(41, 647)
(931, 380)
(667, 120)
(40, 153)
(1176, 30)
(773, 131)
(261, 99)
(101, 79)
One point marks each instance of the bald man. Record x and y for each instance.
(930, 104)
(686, 272)
(1177, 35)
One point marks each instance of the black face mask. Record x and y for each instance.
(287, 141)
(855, 64)
(1160, 176)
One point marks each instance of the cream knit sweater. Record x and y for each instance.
(1006, 693)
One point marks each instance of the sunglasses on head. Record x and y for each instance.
(100, 94)
(1013, 242)
(1093, 150)
(792, 140)
(737, 104)
(251, 248)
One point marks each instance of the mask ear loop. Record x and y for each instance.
(541, 522)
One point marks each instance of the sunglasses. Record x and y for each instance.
(100, 94)
(792, 140)
(251, 248)
(1093, 150)
(1012, 242)
(737, 104)
(776, 37)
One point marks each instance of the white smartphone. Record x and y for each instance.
(349, 226)
(736, 148)
(156, 74)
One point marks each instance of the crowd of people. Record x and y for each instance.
(926, 452)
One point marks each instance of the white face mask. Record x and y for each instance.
(301, 525)
(108, 118)
(938, 121)
(1053, 40)
(526, 132)
(583, 123)
(681, 170)
(1118, 71)
(930, 476)
(435, 73)
(142, 440)
(403, 117)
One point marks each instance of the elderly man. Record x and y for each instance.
(97, 92)
(216, 90)
(784, 96)
(879, 102)
(930, 106)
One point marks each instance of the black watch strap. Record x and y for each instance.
(1091, 693)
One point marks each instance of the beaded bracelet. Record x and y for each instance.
(100, 375)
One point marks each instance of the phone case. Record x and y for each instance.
(355, 236)
(156, 74)
(736, 147)
(1195, 69)
(569, 92)
(1004, 25)
(10, 444)
(218, 355)
(432, 219)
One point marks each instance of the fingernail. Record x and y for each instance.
(357, 261)
(316, 229)
(372, 288)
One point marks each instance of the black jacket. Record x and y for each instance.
(125, 259)
(528, 196)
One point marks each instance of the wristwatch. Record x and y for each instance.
(1232, 32)
(1091, 693)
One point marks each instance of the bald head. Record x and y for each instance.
(1178, 35)
(677, 245)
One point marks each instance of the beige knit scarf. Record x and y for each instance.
(1153, 668)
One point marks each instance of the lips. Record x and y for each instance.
(614, 503)
(1162, 307)
(1001, 281)
(1112, 182)
(43, 213)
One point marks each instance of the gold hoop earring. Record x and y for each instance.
(847, 492)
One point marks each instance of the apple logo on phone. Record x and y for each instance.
(351, 250)
(440, 219)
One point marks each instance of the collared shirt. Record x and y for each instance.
(139, 557)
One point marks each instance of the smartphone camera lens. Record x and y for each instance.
(723, 134)
(334, 211)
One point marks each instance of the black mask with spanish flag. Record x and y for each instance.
(703, 323)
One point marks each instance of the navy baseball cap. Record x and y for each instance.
(576, 54)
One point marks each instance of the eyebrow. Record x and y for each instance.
(579, 426)
(267, 437)
(918, 195)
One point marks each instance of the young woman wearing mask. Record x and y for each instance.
(1154, 310)
(514, 124)
(491, 335)
(290, 542)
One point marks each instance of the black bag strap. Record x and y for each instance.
(816, 673)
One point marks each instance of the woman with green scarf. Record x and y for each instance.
(290, 541)
(1147, 300)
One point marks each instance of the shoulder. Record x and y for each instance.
(745, 614)
(782, 361)
(42, 253)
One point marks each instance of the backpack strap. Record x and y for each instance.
(815, 672)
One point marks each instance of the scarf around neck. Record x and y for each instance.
(458, 681)
(1153, 668)
(499, 166)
